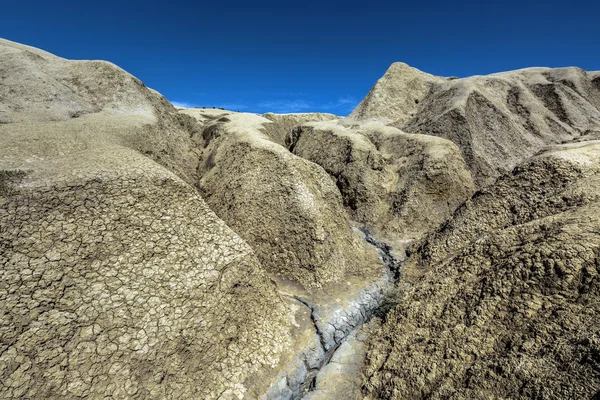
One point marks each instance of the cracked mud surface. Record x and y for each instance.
(341, 377)
(508, 301)
(109, 287)
(117, 280)
(326, 318)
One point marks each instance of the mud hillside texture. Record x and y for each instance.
(400, 184)
(117, 280)
(149, 252)
(285, 206)
(508, 307)
(496, 120)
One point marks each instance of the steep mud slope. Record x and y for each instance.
(396, 95)
(402, 185)
(508, 307)
(116, 279)
(290, 211)
(124, 283)
(544, 186)
(285, 207)
(39, 89)
(37, 85)
(496, 120)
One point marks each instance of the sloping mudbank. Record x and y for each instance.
(505, 303)
(496, 120)
(116, 278)
(286, 207)
(290, 211)
(402, 185)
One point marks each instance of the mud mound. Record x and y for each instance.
(284, 123)
(396, 95)
(285, 207)
(508, 307)
(116, 278)
(400, 184)
(124, 283)
(496, 120)
(39, 86)
(547, 185)
(41, 90)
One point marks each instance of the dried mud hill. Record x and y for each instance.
(285, 207)
(395, 97)
(40, 86)
(402, 185)
(508, 307)
(116, 279)
(496, 120)
(41, 90)
(284, 123)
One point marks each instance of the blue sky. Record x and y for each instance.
(304, 56)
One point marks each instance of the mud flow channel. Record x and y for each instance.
(329, 365)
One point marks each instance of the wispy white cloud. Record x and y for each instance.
(347, 100)
(227, 106)
(342, 104)
(183, 104)
(286, 106)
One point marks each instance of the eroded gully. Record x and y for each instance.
(328, 367)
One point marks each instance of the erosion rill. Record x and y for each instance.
(340, 376)
(330, 366)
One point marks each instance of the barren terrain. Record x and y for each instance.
(442, 241)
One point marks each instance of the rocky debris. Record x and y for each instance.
(402, 185)
(507, 306)
(497, 120)
(287, 208)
